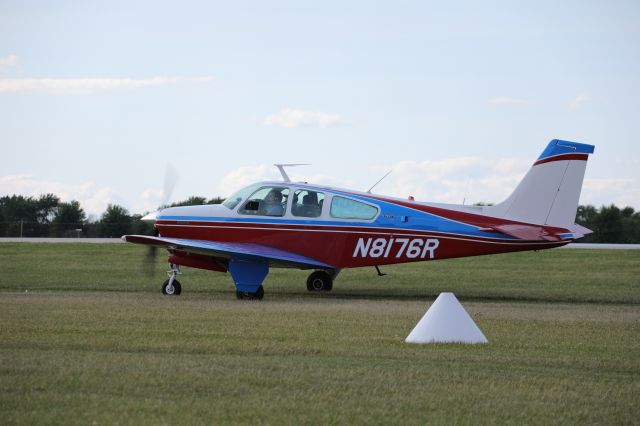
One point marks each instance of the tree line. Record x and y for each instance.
(610, 224)
(47, 216)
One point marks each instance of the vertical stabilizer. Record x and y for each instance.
(550, 191)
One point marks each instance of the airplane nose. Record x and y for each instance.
(151, 217)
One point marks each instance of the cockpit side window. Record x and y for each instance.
(345, 208)
(234, 199)
(266, 201)
(307, 203)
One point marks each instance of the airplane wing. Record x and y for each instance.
(239, 251)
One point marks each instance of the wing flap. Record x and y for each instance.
(227, 250)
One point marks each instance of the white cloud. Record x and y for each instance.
(149, 200)
(446, 181)
(327, 180)
(506, 101)
(475, 179)
(453, 180)
(8, 62)
(85, 85)
(93, 199)
(579, 101)
(203, 79)
(246, 175)
(620, 191)
(292, 118)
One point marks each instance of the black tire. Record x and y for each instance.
(320, 281)
(177, 288)
(248, 295)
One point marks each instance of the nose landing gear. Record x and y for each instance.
(172, 287)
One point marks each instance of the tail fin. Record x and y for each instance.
(550, 191)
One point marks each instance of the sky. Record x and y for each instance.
(98, 100)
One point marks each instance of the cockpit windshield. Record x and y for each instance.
(234, 199)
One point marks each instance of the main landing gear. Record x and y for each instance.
(320, 281)
(250, 295)
(172, 287)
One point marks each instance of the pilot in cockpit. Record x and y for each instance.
(272, 204)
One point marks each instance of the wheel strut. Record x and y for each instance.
(172, 286)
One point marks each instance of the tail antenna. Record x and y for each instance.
(284, 174)
(381, 179)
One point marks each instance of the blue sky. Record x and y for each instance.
(457, 99)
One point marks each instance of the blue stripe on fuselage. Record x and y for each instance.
(390, 216)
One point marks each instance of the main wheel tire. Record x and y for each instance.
(175, 291)
(319, 281)
(249, 295)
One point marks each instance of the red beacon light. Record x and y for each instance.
(411, 198)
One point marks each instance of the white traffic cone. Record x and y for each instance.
(446, 321)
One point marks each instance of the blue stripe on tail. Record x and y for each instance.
(557, 147)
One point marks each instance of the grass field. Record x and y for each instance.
(87, 338)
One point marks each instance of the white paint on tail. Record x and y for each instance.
(549, 193)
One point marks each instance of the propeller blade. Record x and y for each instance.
(149, 261)
(170, 180)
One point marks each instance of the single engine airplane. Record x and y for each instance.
(284, 224)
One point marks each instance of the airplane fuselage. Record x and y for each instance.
(400, 230)
(297, 225)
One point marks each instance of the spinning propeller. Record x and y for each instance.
(170, 180)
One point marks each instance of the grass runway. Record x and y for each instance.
(86, 337)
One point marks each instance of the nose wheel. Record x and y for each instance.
(172, 287)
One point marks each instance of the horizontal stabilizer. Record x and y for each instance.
(531, 232)
(580, 231)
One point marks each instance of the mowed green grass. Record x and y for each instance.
(86, 337)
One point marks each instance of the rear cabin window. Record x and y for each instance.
(345, 208)
(307, 203)
(266, 201)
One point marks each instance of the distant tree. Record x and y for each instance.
(31, 214)
(141, 227)
(197, 201)
(13, 209)
(191, 201)
(586, 216)
(68, 217)
(608, 225)
(115, 222)
(46, 207)
(216, 200)
(630, 225)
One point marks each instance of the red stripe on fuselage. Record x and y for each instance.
(336, 246)
(563, 157)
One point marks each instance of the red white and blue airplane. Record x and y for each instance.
(288, 224)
